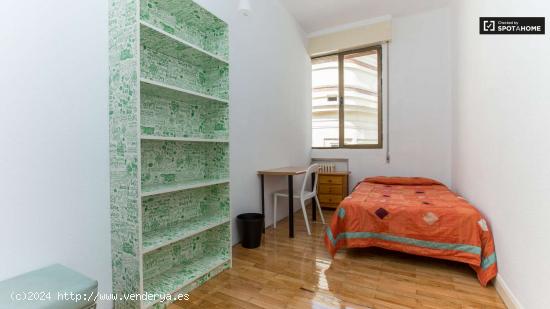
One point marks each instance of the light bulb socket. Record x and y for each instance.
(244, 7)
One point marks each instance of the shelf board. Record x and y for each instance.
(176, 93)
(150, 190)
(170, 39)
(179, 277)
(158, 239)
(183, 139)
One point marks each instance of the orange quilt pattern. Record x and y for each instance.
(414, 215)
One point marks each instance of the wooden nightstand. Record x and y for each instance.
(332, 188)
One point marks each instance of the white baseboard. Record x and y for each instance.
(506, 294)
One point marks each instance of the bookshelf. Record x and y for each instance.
(169, 148)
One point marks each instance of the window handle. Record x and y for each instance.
(341, 100)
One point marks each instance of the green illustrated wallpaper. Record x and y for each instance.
(188, 21)
(168, 163)
(169, 117)
(172, 267)
(210, 79)
(169, 148)
(168, 216)
(124, 150)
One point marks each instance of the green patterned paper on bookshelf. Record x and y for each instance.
(166, 61)
(189, 22)
(174, 216)
(208, 80)
(175, 267)
(170, 117)
(168, 164)
(169, 147)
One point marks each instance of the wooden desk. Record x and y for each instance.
(290, 172)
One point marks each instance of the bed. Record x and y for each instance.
(417, 216)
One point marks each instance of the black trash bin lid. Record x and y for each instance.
(250, 216)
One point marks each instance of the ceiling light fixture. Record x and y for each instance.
(244, 7)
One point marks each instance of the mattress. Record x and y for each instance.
(417, 216)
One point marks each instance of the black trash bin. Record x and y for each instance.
(250, 229)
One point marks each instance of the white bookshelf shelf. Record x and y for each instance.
(180, 277)
(150, 190)
(152, 30)
(173, 92)
(183, 139)
(158, 239)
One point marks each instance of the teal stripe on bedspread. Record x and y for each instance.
(488, 261)
(404, 240)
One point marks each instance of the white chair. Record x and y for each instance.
(303, 197)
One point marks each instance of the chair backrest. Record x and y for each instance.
(312, 169)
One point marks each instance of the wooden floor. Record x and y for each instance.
(298, 273)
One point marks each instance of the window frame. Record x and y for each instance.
(341, 100)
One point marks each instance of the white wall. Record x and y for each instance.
(54, 158)
(54, 123)
(501, 140)
(420, 104)
(270, 100)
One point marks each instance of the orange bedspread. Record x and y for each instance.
(417, 216)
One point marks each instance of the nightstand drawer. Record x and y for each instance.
(330, 205)
(330, 198)
(337, 180)
(331, 189)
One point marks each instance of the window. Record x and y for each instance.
(347, 99)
